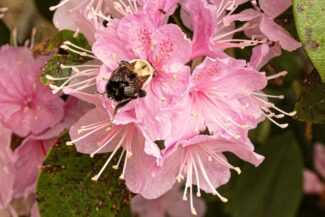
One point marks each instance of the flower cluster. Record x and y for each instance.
(31, 120)
(165, 90)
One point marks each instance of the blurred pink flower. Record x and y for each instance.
(312, 182)
(7, 174)
(210, 34)
(264, 22)
(169, 204)
(26, 106)
(23, 164)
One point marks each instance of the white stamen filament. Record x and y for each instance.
(88, 134)
(220, 159)
(96, 177)
(267, 95)
(116, 166)
(53, 8)
(84, 54)
(205, 175)
(283, 73)
(108, 138)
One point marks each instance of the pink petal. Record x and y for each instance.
(276, 33)
(319, 159)
(30, 156)
(170, 204)
(262, 54)
(171, 48)
(274, 8)
(139, 177)
(89, 143)
(110, 48)
(312, 184)
(160, 10)
(35, 212)
(7, 170)
(135, 34)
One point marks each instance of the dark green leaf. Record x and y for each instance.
(275, 188)
(311, 102)
(65, 187)
(43, 8)
(62, 57)
(4, 33)
(310, 23)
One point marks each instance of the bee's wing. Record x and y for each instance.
(133, 88)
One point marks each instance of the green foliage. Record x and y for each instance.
(53, 66)
(4, 33)
(310, 19)
(65, 187)
(311, 102)
(43, 8)
(275, 188)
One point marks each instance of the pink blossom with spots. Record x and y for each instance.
(166, 48)
(26, 106)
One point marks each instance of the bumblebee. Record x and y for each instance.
(127, 81)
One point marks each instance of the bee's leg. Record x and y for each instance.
(120, 105)
(123, 63)
(142, 93)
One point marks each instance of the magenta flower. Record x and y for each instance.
(26, 106)
(313, 184)
(170, 204)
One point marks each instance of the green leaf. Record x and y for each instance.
(5, 33)
(43, 8)
(65, 187)
(310, 105)
(275, 188)
(52, 67)
(310, 23)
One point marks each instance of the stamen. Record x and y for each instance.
(88, 134)
(276, 123)
(267, 95)
(108, 138)
(119, 160)
(34, 31)
(205, 175)
(283, 73)
(53, 8)
(84, 54)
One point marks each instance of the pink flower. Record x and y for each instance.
(312, 182)
(87, 17)
(166, 48)
(222, 99)
(23, 165)
(210, 34)
(264, 22)
(169, 204)
(26, 106)
(94, 133)
(200, 161)
(31, 153)
(6, 168)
